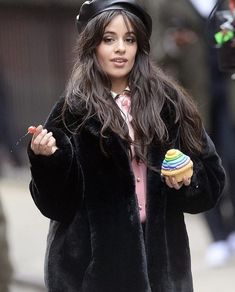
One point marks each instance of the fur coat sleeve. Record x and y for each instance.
(206, 185)
(56, 176)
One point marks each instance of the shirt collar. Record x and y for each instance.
(114, 94)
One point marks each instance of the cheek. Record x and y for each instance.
(133, 56)
(133, 53)
(102, 55)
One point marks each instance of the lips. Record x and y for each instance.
(119, 60)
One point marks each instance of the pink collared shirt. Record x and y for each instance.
(139, 169)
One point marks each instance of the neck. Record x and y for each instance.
(119, 86)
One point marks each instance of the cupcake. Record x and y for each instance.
(177, 165)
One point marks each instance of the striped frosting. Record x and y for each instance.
(174, 159)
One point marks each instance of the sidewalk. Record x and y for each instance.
(27, 231)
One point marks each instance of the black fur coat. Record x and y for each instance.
(96, 242)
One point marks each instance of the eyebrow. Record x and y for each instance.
(112, 32)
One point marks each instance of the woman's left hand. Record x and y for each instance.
(173, 184)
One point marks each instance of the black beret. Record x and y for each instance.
(92, 8)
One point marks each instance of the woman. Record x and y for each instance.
(116, 225)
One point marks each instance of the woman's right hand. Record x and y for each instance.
(43, 142)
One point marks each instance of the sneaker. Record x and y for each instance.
(231, 242)
(217, 254)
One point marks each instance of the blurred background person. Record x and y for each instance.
(183, 48)
(7, 136)
(36, 38)
(5, 266)
(5, 140)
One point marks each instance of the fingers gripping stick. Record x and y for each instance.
(32, 129)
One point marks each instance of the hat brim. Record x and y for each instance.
(91, 9)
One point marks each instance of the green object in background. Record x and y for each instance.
(222, 37)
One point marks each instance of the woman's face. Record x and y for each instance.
(117, 51)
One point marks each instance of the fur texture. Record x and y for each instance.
(96, 242)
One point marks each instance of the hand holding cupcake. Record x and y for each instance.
(177, 168)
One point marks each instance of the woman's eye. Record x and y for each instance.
(108, 40)
(130, 40)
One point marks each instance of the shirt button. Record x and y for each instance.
(138, 179)
(125, 102)
(140, 207)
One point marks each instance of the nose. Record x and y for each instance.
(120, 47)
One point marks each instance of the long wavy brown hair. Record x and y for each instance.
(151, 93)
